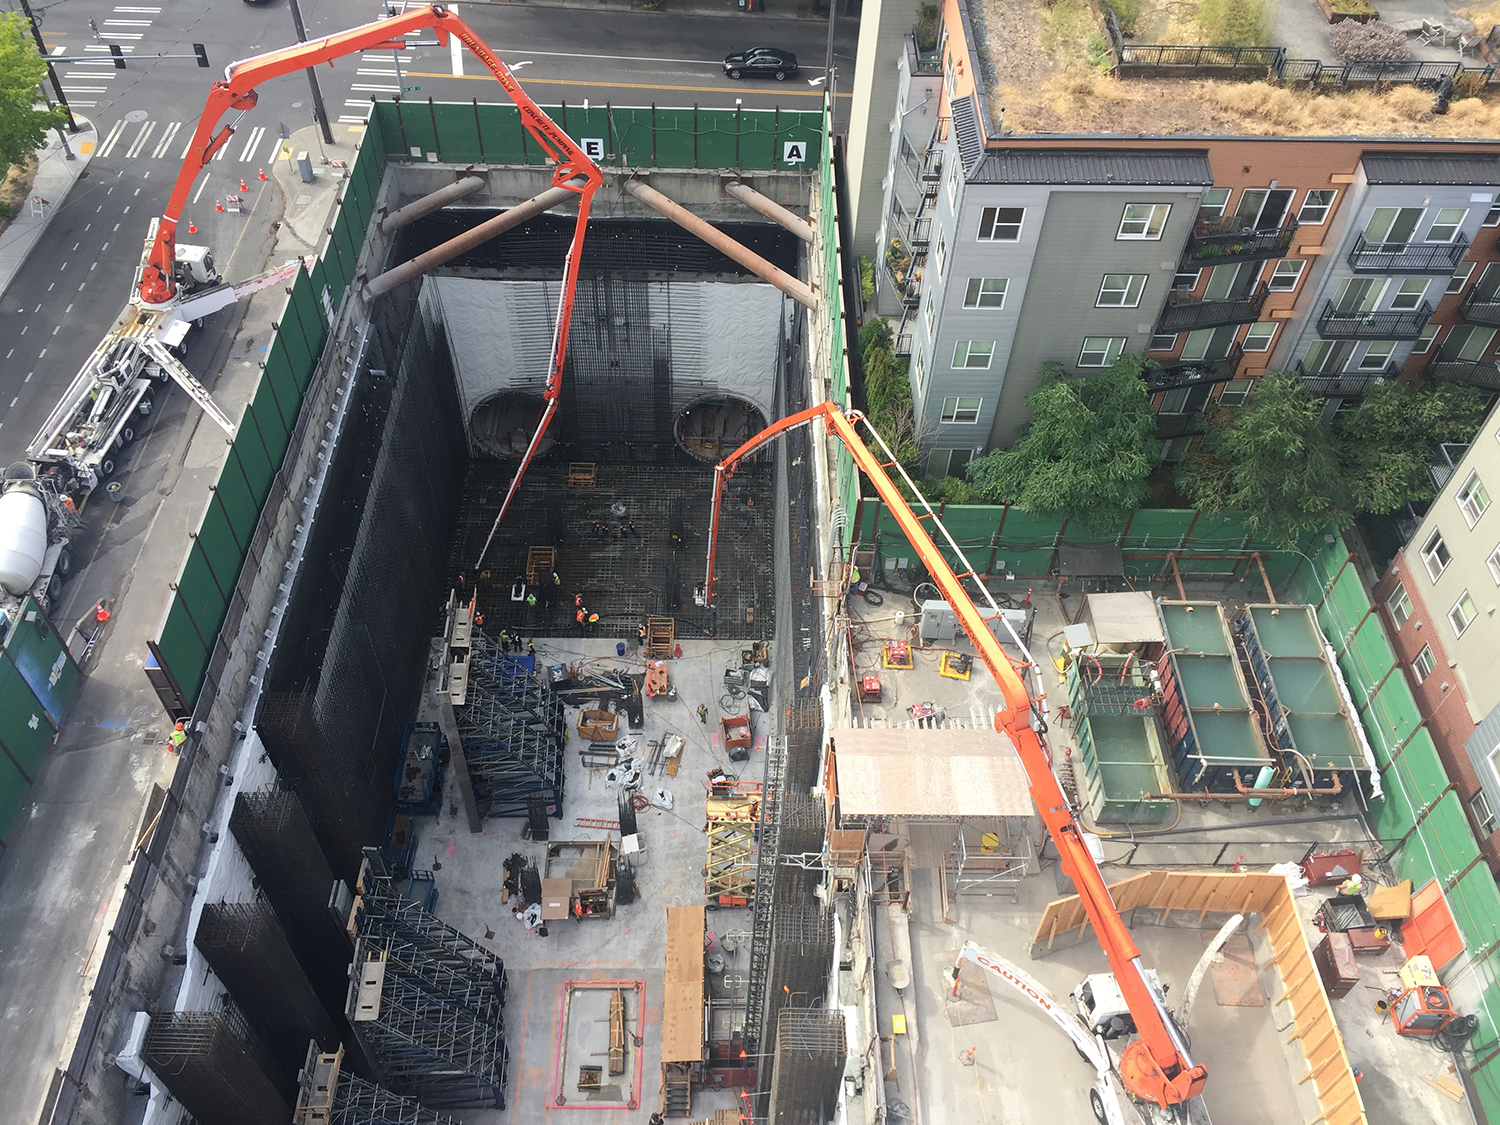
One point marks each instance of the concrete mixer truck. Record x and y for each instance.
(37, 520)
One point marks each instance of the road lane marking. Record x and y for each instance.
(201, 186)
(166, 138)
(274, 150)
(112, 138)
(376, 89)
(457, 49)
(780, 90)
(255, 135)
(140, 141)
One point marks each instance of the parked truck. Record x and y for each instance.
(37, 520)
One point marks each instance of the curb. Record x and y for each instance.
(55, 177)
(725, 9)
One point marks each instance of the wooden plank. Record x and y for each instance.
(682, 1000)
(1328, 1111)
(1445, 1086)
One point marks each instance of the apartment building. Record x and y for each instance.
(1438, 602)
(1220, 257)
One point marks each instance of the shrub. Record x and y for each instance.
(1368, 42)
(866, 280)
(1352, 7)
(929, 16)
(1127, 14)
(1239, 23)
(7, 212)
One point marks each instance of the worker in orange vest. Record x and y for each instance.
(580, 614)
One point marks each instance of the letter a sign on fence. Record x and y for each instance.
(794, 152)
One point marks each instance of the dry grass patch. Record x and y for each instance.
(14, 190)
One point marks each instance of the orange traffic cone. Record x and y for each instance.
(262, 172)
(192, 229)
(243, 185)
(218, 205)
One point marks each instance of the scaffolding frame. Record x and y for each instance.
(382, 912)
(513, 728)
(329, 1095)
(765, 890)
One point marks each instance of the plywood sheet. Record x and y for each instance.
(931, 773)
(1124, 618)
(682, 999)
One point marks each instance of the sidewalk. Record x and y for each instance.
(55, 177)
(781, 9)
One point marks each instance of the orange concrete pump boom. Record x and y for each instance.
(1155, 1067)
(573, 170)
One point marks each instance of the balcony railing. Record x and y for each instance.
(903, 344)
(1343, 384)
(1470, 372)
(1356, 325)
(1179, 425)
(924, 62)
(906, 279)
(1192, 373)
(1481, 310)
(1184, 312)
(1407, 257)
(1228, 241)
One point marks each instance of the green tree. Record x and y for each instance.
(1087, 451)
(1272, 461)
(1387, 443)
(22, 71)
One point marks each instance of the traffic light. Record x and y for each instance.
(202, 52)
(118, 55)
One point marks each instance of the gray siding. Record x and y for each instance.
(1480, 745)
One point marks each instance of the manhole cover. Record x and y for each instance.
(296, 105)
(136, 115)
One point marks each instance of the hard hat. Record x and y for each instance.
(181, 726)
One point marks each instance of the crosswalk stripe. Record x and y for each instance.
(350, 119)
(377, 73)
(122, 8)
(127, 23)
(125, 35)
(363, 102)
(140, 141)
(275, 149)
(85, 89)
(101, 49)
(255, 135)
(166, 139)
(111, 139)
(369, 89)
(83, 105)
(223, 149)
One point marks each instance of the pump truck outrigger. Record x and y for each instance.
(1155, 1067)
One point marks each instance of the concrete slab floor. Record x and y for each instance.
(632, 945)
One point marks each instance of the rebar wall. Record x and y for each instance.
(351, 679)
(247, 950)
(273, 831)
(209, 1064)
(808, 1066)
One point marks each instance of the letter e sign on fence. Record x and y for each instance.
(794, 152)
(593, 147)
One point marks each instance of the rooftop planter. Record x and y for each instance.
(1337, 11)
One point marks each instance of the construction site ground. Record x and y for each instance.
(1023, 1069)
(629, 947)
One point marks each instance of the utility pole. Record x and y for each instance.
(41, 49)
(312, 76)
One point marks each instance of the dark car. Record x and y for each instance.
(761, 62)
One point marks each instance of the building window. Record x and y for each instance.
(1445, 227)
(1187, 282)
(986, 293)
(973, 353)
(1000, 224)
(1377, 355)
(1144, 220)
(1100, 351)
(1435, 555)
(1460, 275)
(1287, 273)
(1399, 605)
(1175, 449)
(1484, 820)
(1423, 665)
(1316, 206)
(1473, 499)
(1211, 210)
(1462, 615)
(940, 255)
(1494, 561)
(921, 371)
(1121, 290)
(1410, 295)
(948, 462)
(961, 411)
(929, 313)
(953, 180)
(1424, 341)
(1259, 336)
(1164, 343)
(1235, 392)
(1492, 219)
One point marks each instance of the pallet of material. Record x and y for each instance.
(582, 474)
(661, 637)
(599, 726)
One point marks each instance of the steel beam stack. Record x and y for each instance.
(329, 1095)
(513, 728)
(433, 1031)
(273, 830)
(211, 1063)
(807, 1066)
(245, 946)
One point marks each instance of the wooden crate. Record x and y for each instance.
(661, 637)
(582, 474)
(540, 562)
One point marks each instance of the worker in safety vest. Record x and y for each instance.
(531, 648)
(578, 600)
(177, 737)
(593, 619)
(580, 614)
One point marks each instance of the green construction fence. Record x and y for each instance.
(418, 131)
(37, 678)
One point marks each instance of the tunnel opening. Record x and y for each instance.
(503, 424)
(712, 428)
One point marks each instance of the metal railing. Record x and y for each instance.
(1343, 384)
(1478, 309)
(1192, 373)
(1356, 325)
(1227, 241)
(1138, 60)
(1407, 257)
(1184, 312)
(924, 62)
(1470, 372)
(906, 282)
(1170, 426)
(903, 344)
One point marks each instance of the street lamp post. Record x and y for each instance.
(36, 33)
(312, 75)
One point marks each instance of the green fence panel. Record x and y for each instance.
(200, 591)
(248, 452)
(676, 138)
(43, 662)
(1487, 1083)
(1221, 532)
(1158, 529)
(13, 790)
(233, 497)
(1476, 902)
(25, 730)
(284, 385)
(1392, 815)
(276, 420)
(311, 329)
(413, 135)
(182, 650)
(221, 548)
